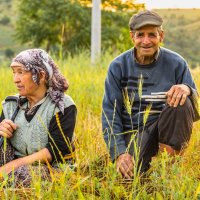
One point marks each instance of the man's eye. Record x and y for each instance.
(139, 35)
(152, 35)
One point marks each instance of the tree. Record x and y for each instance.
(67, 24)
(116, 5)
(41, 21)
(9, 53)
(51, 22)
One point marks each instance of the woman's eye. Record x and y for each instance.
(20, 72)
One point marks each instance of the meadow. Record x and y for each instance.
(95, 176)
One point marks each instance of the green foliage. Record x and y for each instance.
(115, 31)
(116, 5)
(9, 53)
(54, 24)
(77, 28)
(66, 25)
(41, 21)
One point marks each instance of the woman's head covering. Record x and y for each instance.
(37, 60)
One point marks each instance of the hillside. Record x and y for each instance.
(182, 32)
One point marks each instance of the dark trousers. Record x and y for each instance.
(173, 128)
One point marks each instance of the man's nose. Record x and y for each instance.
(146, 39)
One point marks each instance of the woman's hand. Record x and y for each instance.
(43, 156)
(7, 127)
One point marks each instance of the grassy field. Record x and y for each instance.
(95, 176)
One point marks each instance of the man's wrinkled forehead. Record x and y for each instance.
(147, 29)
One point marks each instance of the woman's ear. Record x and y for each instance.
(42, 75)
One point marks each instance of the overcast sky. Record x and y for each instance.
(170, 3)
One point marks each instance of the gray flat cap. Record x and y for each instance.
(144, 18)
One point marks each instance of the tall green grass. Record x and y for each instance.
(95, 176)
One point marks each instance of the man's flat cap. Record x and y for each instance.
(144, 18)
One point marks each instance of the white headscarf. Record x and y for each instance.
(36, 60)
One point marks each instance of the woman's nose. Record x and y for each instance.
(16, 78)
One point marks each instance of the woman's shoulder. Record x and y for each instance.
(9, 105)
(13, 99)
(68, 101)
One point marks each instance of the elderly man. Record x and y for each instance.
(150, 99)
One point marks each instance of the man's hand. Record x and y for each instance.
(177, 95)
(125, 165)
(7, 127)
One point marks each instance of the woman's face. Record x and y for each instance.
(24, 82)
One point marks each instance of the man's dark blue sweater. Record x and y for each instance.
(123, 113)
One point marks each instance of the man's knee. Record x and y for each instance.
(186, 107)
(175, 125)
(181, 112)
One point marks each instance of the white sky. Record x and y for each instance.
(150, 4)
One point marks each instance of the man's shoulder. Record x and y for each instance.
(121, 60)
(169, 54)
(123, 56)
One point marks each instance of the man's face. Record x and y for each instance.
(146, 40)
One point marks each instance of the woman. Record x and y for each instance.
(38, 122)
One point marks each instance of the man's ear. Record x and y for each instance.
(132, 36)
(161, 36)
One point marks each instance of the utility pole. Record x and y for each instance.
(96, 31)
